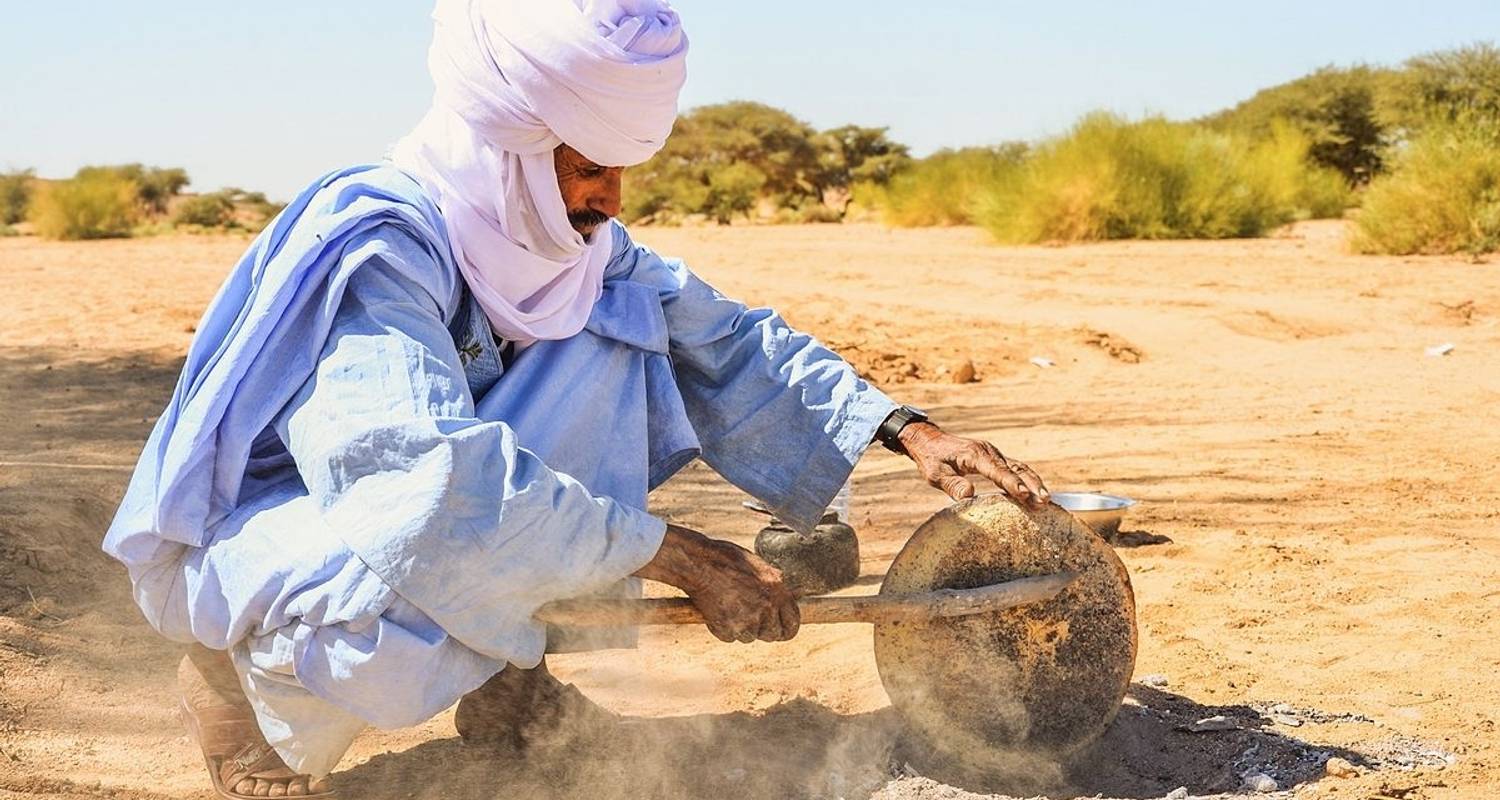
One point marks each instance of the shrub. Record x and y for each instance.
(15, 195)
(94, 205)
(213, 210)
(1112, 179)
(1441, 196)
(940, 189)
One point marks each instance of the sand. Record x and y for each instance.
(1318, 537)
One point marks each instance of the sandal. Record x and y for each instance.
(234, 750)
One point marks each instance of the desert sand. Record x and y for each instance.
(1315, 553)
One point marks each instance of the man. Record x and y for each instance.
(434, 395)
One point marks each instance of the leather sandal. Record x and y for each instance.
(233, 747)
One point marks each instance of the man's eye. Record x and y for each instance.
(592, 172)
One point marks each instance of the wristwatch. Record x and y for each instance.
(889, 430)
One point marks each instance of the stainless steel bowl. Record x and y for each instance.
(1102, 512)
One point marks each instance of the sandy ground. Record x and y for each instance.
(1317, 543)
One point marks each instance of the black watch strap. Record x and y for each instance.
(889, 431)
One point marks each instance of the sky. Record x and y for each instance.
(269, 95)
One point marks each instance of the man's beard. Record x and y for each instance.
(587, 220)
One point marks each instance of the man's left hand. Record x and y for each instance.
(946, 461)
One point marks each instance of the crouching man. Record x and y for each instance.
(434, 395)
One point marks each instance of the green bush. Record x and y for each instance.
(1113, 179)
(15, 195)
(213, 210)
(940, 189)
(1441, 196)
(95, 205)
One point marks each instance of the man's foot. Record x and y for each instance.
(519, 708)
(219, 718)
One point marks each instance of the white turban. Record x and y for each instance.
(515, 78)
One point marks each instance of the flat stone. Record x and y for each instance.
(1336, 767)
(1217, 722)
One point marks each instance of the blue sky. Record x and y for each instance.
(268, 95)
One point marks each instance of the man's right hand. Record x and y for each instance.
(742, 598)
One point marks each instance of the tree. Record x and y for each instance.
(1447, 86)
(717, 154)
(853, 154)
(155, 186)
(732, 189)
(680, 180)
(1336, 108)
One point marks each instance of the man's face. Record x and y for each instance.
(590, 192)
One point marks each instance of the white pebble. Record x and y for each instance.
(1217, 722)
(1155, 681)
(1180, 793)
(1260, 782)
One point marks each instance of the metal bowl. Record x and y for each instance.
(1102, 512)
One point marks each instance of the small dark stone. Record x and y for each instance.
(823, 561)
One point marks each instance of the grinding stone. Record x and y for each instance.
(998, 691)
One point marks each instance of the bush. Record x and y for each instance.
(1112, 179)
(214, 210)
(940, 189)
(94, 205)
(15, 195)
(1441, 196)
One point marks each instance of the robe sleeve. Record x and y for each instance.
(449, 510)
(777, 414)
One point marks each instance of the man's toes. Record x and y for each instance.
(262, 788)
(297, 788)
(278, 789)
(318, 786)
(246, 786)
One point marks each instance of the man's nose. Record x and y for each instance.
(607, 200)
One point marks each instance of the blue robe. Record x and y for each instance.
(355, 494)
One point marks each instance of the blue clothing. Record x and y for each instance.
(351, 487)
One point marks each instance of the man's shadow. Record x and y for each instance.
(802, 749)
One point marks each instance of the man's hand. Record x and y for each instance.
(740, 595)
(946, 461)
